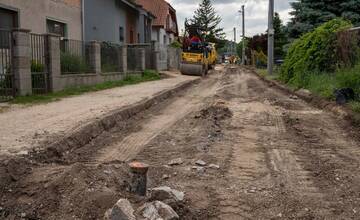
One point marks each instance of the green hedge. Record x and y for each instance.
(318, 52)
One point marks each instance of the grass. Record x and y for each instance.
(355, 106)
(263, 72)
(148, 75)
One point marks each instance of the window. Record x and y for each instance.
(121, 34)
(8, 19)
(165, 40)
(55, 27)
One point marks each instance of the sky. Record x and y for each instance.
(256, 12)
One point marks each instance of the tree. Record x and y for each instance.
(280, 37)
(206, 17)
(309, 14)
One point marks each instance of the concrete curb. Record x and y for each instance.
(341, 112)
(92, 130)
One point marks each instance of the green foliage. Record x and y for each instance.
(239, 47)
(175, 44)
(355, 106)
(309, 14)
(37, 66)
(280, 37)
(314, 52)
(324, 84)
(260, 59)
(207, 18)
(71, 63)
(130, 79)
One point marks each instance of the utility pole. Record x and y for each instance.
(242, 11)
(243, 35)
(234, 45)
(271, 33)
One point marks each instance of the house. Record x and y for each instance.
(164, 27)
(62, 17)
(117, 21)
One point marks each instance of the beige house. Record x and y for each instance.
(61, 17)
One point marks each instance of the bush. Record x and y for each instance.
(37, 67)
(176, 44)
(316, 51)
(71, 63)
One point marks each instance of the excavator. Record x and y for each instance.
(196, 58)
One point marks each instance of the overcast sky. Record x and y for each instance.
(256, 12)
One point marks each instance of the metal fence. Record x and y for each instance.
(74, 57)
(133, 56)
(110, 57)
(39, 67)
(7, 90)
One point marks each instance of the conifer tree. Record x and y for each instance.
(207, 18)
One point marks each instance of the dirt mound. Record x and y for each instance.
(218, 111)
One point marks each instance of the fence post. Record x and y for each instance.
(95, 56)
(123, 58)
(53, 62)
(142, 59)
(155, 55)
(21, 61)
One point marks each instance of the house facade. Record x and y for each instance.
(164, 27)
(62, 17)
(117, 21)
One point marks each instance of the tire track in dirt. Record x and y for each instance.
(126, 149)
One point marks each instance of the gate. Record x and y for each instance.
(7, 90)
(39, 67)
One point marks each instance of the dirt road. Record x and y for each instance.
(279, 158)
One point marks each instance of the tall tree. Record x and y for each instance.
(309, 14)
(280, 37)
(207, 18)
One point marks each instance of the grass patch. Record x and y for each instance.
(355, 106)
(324, 84)
(263, 72)
(148, 75)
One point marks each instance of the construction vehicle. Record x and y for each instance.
(197, 58)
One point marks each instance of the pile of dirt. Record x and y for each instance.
(216, 112)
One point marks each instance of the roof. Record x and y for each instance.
(160, 8)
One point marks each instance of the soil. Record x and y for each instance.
(279, 158)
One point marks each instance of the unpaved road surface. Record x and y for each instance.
(24, 128)
(279, 158)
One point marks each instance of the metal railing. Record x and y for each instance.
(39, 70)
(7, 90)
(110, 57)
(74, 57)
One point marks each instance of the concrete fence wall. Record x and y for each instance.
(154, 57)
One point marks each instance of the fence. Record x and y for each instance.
(7, 90)
(74, 57)
(134, 57)
(39, 67)
(110, 58)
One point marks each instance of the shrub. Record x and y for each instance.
(71, 63)
(176, 44)
(37, 67)
(316, 51)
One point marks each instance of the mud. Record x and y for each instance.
(279, 158)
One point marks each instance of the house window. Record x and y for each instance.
(165, 40)
(55, 27)
(138, 37)
(121, 34)
(8, 19)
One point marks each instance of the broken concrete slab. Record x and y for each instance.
(157, 211)
(176, 161)
(200, 163)
(165, 193)
(214, 166)
(122, 210)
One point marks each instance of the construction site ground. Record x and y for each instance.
(278, 157)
